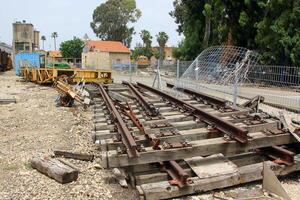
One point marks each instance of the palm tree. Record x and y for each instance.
(43, 38)
(207, 12)
(146, 37)
(162, 39)
(54, 36)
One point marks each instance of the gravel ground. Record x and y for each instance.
(34, 125)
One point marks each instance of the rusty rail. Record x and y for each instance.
(129, 113)
(178, 176)
(279, 154)
(205, 97)
(235, 132)
(150, 109)
(127, 138)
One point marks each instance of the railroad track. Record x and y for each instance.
(172, 147)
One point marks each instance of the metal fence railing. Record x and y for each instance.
(277, 76)
(172, 69)
(280, 85)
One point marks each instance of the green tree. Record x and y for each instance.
(146, 49)
(43, 38)
(162, 39)
(207, 12)
(278, 33)
(54, 35)
(214, 22)
(72, 48)
(241, 18)
(191, 23)
(176, 51)
(146, 37)
(111, 20)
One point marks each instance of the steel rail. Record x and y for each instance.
(172, 168)
(150, 109)
(129, 113)
(177, 173)
(127, 138)
(279, 154)
(205, 97)
(233, 131)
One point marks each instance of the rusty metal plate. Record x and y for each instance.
(212, 166)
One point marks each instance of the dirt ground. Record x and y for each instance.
(34, 126)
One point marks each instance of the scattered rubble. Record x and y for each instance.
(35, 125)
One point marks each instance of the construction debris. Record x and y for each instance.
(8, 101)
(271, 183)
(54, 169)
(76, 156)
(68, 94)
(120, 176)
(254, 102)
(288, 125)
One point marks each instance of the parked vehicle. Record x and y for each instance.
(142, 61)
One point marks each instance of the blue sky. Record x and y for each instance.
(72, 18)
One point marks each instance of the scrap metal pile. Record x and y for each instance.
(68, 94)
(169, 147)
(5, 61)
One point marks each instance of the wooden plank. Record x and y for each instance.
(186, 135)
(189, 134)
(200, 148)
(103, 126)
(239, 112)
(99, 120)
(246, 159)
(156, 177)
(8, 101)
(171, 118)
(245, 174)
(150, 178)
(69, 164)
(119, 96)
(151, 173)
(214, 165)
(269, 125)
(54, 169)
(101, 135)
(169, 113)
(76, 156)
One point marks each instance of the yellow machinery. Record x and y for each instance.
(48, 75)
(142, 61)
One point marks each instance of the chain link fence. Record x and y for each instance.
(280, 85)
(275, 76)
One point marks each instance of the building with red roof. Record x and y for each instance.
(98, 54)
(54, 56)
